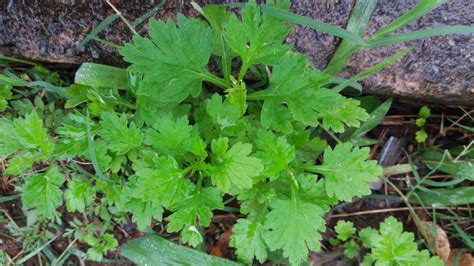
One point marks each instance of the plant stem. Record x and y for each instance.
(199, 183)
(217, 80)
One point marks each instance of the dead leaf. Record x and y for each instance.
(440, 244)
(465, 259)
(221, 249)
(437, 239)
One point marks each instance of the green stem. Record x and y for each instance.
(416, 218)
(199, 183)
(229, 200)
(243, 70)
(193, 166)
(255, 97)
(226, 61)
(217, 80)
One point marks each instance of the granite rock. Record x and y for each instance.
(438, 69)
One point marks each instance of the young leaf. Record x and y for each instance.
(366, 235)
(295, 86)
(257, 39)
(351, 249)
(173, 61)
(73, 136)
(344, 229)
(289, 84)
(192, 211)
(222, 113)
(100, 246)
(276, 153)
(21, 162)
(247, 239)
(5, 94)
(119, 137)
(276, 116)
(393, 246)
(175, 137)
(42, 192)
(31, 134)
(421, 135)
(293, 226)
(255, 200)
(79, 194)
(143, 212)
(347, 172)
(164, 184)
(233, 168)
(337, 110)
(296, 217)
(8, 143)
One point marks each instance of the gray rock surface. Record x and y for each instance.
(439, 69)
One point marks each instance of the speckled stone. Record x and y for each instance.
(439, 69)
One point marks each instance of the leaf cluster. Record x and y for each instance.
(390, 245)
(214, 109)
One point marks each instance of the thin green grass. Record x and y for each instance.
(99, 28)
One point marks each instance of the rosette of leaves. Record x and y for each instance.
(221, 108)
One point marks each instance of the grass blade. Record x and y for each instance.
(148, 14)
(6, 80)
(375, 117)
(309, 22)
(420, 9)
(461, 169)
(419, 34)
(97, 75)
(17, 82)
(464, 236)
(34, 252)
(155, 250)
(339, 80)
(312, 23)
(360, 16)
(469, 129)
(8, 198)
(104, 24)
(90, 145)
(104, 42)
(445, 196)
(373, 69)
(16, 60)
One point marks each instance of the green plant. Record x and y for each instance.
(389, 245)
(153, 248)
(207, 111)
(192, 136)
(5, 94)
(421, 134)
